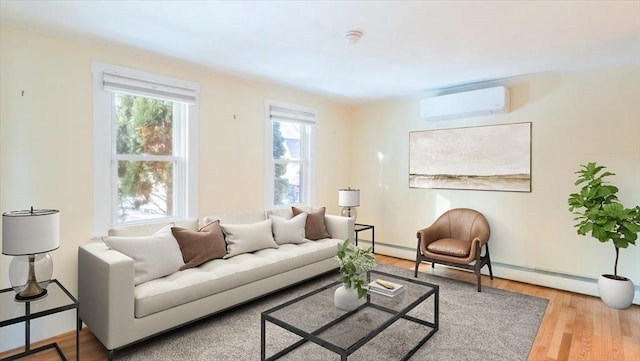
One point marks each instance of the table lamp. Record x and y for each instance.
(349, 199)
(29, 235)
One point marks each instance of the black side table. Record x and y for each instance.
(365, 227)
(58, 299)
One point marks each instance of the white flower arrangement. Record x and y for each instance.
(354, 263)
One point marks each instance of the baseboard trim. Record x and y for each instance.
(540, 277)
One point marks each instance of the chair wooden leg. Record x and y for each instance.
(477, 267)
(489, 261)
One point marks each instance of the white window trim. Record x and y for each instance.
(309, 196)
(104, 130)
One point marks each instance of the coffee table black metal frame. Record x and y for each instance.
(58, 299)
(315, 337)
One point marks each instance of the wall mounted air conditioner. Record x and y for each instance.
(475, 102)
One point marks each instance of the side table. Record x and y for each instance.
(365, 227)
(58, 299)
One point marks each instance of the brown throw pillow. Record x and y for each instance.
(314, 228)
(201, 246)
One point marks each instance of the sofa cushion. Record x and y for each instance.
(201, 246)
(244, 238)
(237, 218)
(220, 275)
(289, 230)
(315, 227)
(153, 256)
(285, 213)
(147, 229)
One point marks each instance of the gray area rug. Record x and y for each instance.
(491, 325)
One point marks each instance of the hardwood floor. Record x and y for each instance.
(574, 327)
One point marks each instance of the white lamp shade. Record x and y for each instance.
(349, 197)
(30, 231)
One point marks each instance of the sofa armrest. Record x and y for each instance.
(340, 227)
(105, 293)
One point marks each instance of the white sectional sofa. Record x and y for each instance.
(120, 312)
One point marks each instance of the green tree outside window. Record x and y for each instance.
(144, 127)
(281, 186)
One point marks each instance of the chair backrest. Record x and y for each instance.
(463, 224)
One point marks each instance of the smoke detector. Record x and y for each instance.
(353, 36)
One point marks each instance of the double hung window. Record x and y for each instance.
(145, 151)
(290, 144)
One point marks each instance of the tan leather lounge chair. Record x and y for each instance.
(456, 239)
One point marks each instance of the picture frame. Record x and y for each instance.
(492, 157)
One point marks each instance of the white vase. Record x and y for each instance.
(616, 293)
(346, 299)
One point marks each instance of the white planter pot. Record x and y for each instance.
(347, 299)
(615, 293)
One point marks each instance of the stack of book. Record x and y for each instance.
(385, 288)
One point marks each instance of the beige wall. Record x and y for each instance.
(576, 118)
(46, 136)
(46, 154)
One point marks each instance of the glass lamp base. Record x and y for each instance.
(30, 275)
(350, 212)
(31, 297)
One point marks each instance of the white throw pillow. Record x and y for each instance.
(245, 238)
(289, 230)
(153, 256)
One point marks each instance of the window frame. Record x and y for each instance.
(105, 157)
(307, 154)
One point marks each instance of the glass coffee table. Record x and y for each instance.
(314, 318)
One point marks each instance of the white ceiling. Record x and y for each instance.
(407, 47)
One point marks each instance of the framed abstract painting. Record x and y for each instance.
(494, 157)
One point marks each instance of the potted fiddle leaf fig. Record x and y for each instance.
(354, 264)
(600, 214)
